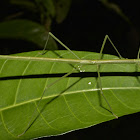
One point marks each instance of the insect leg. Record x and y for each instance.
(98, 71)
(103, 45)
(50, 85)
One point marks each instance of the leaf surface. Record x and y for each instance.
(26, 30)
(72, 103)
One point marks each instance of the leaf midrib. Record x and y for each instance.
(66, 93)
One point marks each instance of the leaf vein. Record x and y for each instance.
(121, 101)
(69, 106)
(18, 86)
(93, 106)
(66, 93)
(3, 65)
(6, 127)
(44, 118)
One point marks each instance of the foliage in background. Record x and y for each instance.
(30, 20)
(45, 13)
(116, 8)
(74, 102)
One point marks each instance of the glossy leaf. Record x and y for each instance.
(72, 103)
(62, 9)
(116, 8)
(24, 3)
(26, 30)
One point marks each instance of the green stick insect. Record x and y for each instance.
(98, 71)
(98, 67)
(77, 60)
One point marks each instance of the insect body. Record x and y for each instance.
(78, 95)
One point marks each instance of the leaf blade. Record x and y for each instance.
(71, 104)
(26, 30)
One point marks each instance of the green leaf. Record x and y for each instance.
(114, 7)
(72, 103)
(24, 3)
(48, 5)
(62, 8)
(26, 30)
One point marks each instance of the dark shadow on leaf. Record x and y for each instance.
(137, 69)
(82, 75)
(43, 108)
(99, 97)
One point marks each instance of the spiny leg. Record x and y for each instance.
(98, 70)
(50, 85)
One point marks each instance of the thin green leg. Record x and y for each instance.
(50, 85)
(98, 71)
(138, 56)
(103, 44)
(101, 91)
(61, 43)
(50, 34)
(98, 67)
(43, 52)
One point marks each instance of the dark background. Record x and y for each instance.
(84, 28)
(89, 21)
